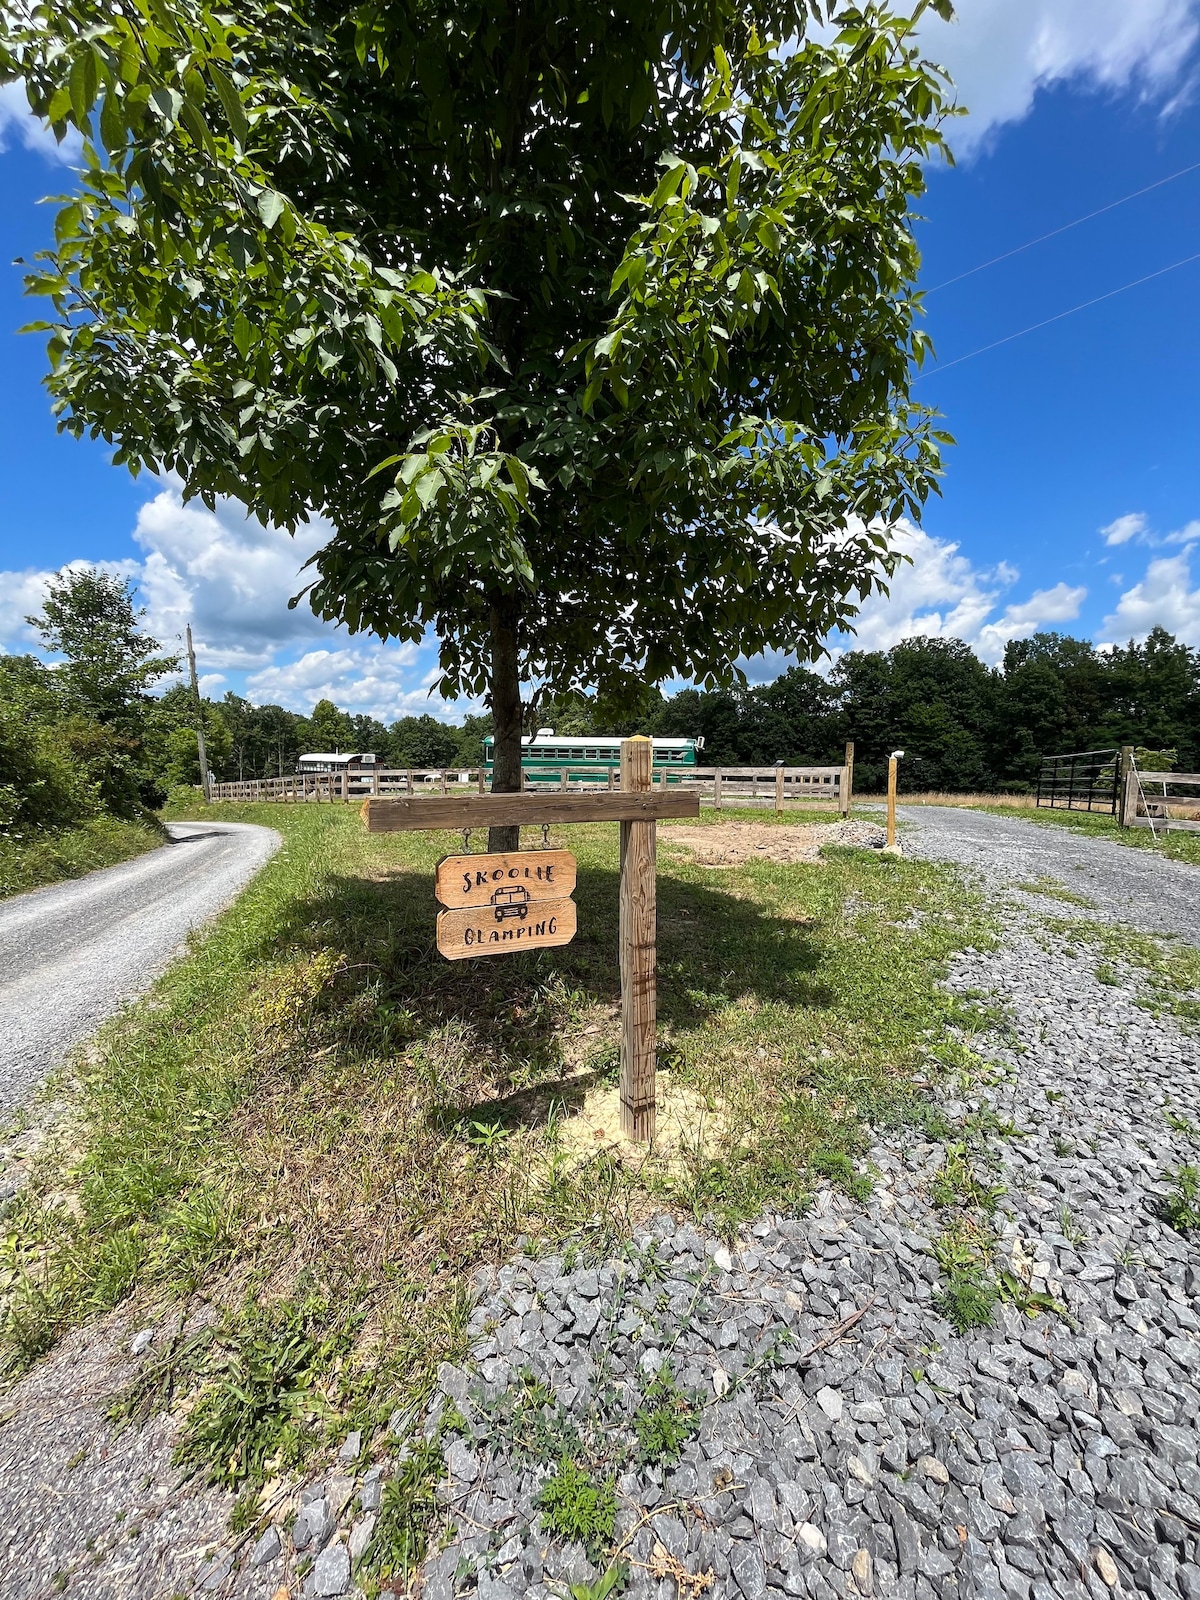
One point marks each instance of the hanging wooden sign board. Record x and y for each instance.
(475, 880)
(498, 904)
(502, 930)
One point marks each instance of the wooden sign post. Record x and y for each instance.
(891, 803)
(521, 900)
(638, 934)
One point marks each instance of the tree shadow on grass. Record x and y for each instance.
(513, 1012)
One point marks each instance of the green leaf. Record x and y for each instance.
(270, 207)
(231, 103)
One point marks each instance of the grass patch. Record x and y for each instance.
(38, 856)
(313, 1109)
(1169, 967)
(1054, 890)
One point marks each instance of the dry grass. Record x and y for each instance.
(934, 797)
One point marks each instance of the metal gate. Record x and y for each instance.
(1088, 780)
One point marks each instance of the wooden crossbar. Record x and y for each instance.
(405, 815)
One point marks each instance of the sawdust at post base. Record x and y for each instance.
(687, 1125)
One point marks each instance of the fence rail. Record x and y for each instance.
(1142, 807)
(776, 787)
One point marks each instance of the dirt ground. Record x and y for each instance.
(732, 844)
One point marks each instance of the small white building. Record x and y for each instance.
(336, 761)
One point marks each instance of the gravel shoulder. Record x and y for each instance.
(75, 953)
(1139, 887)
(842, 1439)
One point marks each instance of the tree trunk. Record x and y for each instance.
(506, 713)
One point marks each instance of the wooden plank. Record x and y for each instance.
(408, 815)
(1176, 825)
(638, 949)
(1170, 777)
(467, 880)
(465, 934)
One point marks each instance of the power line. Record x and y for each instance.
(944, 366)
(1066, 228)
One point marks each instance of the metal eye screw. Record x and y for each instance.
(545, 836)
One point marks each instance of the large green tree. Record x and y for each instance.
(89, 617)
(589, 327)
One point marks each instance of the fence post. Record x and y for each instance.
(563, 779)
(778, 791)
(482, 780)
(716, 788)
(638, 927)
(1126, 810)
(891, 803)
(610, 780)
(847, 784)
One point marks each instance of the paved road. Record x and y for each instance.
(1124, 884)
(74, 953)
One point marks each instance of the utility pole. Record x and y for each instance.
(191, 655)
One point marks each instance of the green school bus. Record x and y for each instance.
(546, 753)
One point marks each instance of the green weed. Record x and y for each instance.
(408, 1509)
(258, 1407)
(527, 1421)
(608, 1583)
(576, 1508)
(1181, 1208)
(666, 1420)
(967, 1300)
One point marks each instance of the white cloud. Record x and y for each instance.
(380, 680)
(1164, 598)
(1125, 528)
(21, 594)
(1001, 52)
(940, 593)
(229, 576)
(16, 120)
(1136, 526)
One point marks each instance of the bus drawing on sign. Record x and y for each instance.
(511, 903)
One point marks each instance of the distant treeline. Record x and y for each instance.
(961, 724)
(90, 737)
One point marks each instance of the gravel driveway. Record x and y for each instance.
(849, 1442)
(1126, 884)
(74, 953)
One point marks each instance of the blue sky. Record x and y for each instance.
(1071, 499)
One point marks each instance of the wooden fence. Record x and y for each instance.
(1142, 807)
(777, 788)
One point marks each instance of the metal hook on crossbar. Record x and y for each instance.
(545, 836)
(466, 841)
